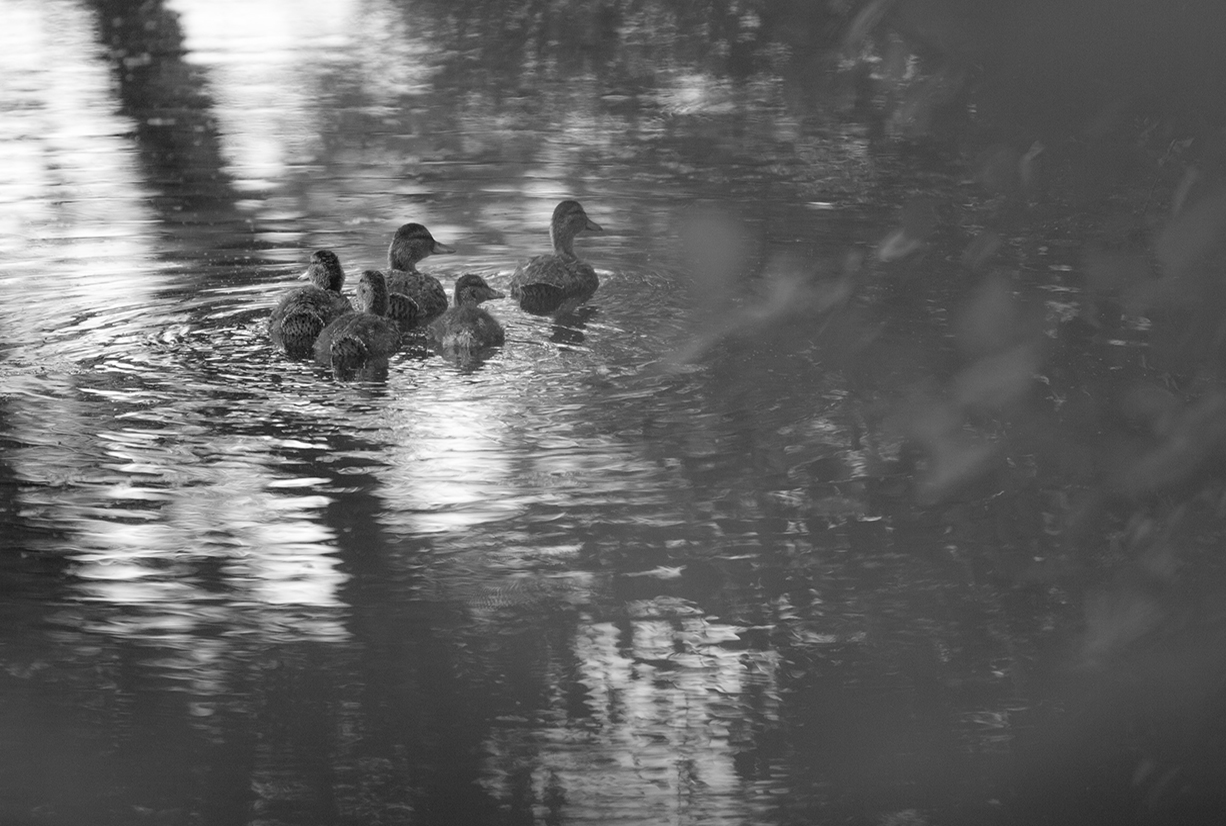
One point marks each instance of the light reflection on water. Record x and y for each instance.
(74, 228)
(268, 101)
(670, 732)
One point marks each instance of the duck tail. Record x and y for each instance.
(348, 354)
(298, 331)
(404, 309)
(539, 299)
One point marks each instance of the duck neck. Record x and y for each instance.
(376, 300)
(401, 258)
(563, 242)
(324, 278)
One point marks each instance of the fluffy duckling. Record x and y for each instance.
(560, 280)
(466, 326)
(412, 243)
(356, 339)
(303, 312)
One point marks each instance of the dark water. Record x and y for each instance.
(659, 562)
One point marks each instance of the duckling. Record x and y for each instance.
(303, 312)
(560, 280)
(466, 326)
(356, 339)
(412, 243)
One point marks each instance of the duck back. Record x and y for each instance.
(466, 328)
(301, 315)
(351, 340)
(547, 283)
(425, 290)
(576, 278)
(403, 310)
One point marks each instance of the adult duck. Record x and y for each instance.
(561, 280)
(360, 338)
(410, 244)
(303, 312)
(466, 326)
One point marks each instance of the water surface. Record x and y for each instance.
(658, 561)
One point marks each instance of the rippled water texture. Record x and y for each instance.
(649, 562)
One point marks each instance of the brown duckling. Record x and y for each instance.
(303, 312)
(466, 326)
(359, 338)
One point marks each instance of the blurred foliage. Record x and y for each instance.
(1099, 126)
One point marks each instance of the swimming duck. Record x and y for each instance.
(357, 338)
(560, 280)
(466, 326)
(412, 243)
(303, 312)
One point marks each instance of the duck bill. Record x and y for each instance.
(494, 294)
(592, 226)
(441, 249)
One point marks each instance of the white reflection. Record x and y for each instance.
(657, 746)
(453, 465)
(157, 524)
(74, 228)
(141, 549)
(697, 94)
(269, 66)
(260, 78)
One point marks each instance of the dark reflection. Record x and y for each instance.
(28, 574)
(568, 327)
(372, 371)
(423, 710)
(167, 100)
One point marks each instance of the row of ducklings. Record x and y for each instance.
(319, 320)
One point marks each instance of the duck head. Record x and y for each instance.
(410, 244)
(569, 220)
(372, 293)
(472, 289)
(325, 271)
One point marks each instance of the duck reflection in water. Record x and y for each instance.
(559, 281)
(568, 327)
(467, 331)
(357, 345)
(304, 312)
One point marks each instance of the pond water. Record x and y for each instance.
(659, 561)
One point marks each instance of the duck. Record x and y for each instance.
(410, 244)
(359, 338)
(560, 280)
(467, 327)
(303, 312)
